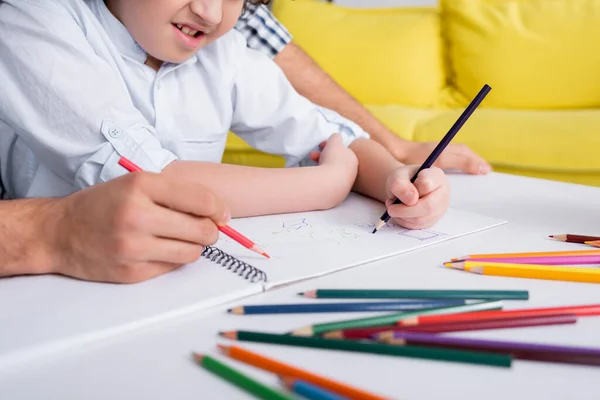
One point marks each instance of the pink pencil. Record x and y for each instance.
(555, 260)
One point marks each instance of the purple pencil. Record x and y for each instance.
(557, 260)
(521, 350)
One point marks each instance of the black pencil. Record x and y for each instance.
(442, 145)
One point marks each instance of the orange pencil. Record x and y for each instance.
(524, 255)
(229, 231)
(279, 368)
(595, 243)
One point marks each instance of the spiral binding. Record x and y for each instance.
(234, 265)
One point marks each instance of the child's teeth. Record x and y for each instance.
(180, 26)
(188, 31)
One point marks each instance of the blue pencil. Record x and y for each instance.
(345, 307)
(310, 391)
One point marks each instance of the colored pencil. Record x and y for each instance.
(595, 243)
(475, 325)
(277, 367)
(552, 260)
(570, 238)
(481, 325)
(390, 319)
(538, 272)
(374, 348)
(441, 145)
(343, 307)
(240, 380)
(308, 390)
(527, 255)
(427, 294)
(578, 310)
(469, 265)
(520, 350)
(229, 231)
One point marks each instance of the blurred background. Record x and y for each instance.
(415, 64)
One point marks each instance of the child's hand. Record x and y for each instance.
(424, 203)
(340, 165)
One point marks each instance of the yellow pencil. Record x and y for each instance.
(588, 275)
(468, 265)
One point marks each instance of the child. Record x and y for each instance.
(161, 83)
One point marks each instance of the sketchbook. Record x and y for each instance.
(43, 315)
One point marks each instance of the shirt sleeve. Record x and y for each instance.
(262, 30)
(68, 104)
(272, 117)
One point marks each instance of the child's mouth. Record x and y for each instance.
(189, 31)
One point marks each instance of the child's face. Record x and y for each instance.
(174, 30)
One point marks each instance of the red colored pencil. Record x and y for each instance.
(229, 231)
(491, 324)
(570, 238)
(515, 322)
(580, 311)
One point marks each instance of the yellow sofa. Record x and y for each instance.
(417, 68)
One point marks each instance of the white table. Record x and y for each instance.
(155, 363)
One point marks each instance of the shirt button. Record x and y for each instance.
(114, 132)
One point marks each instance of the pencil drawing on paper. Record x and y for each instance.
(421, 234)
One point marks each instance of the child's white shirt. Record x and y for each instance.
(75, 96)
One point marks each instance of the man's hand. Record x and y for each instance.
(455, 156)
(134, 228)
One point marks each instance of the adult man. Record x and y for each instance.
(142, 225)
(264, 33)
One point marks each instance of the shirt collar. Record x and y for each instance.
(117, 32)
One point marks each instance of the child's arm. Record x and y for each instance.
(382, 177)
(250, 191)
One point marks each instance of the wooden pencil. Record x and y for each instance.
(462, 119)
(469, 265)
(423, 294)
(551, 260)
(242, 381)
(472, 325)
(463, 326)
(586, 310)
(308, 390)
(571, 238)
(343, 307)
(527, 255)
(595, 243)
(390, 319)
(538, 272)
(460, 356)
(519, 350)
(277, 367)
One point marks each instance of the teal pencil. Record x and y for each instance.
(416, 294)
(391, 319)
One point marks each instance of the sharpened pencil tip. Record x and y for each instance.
(198, 358)
(232, 335)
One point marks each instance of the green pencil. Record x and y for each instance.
(244, 382)
(391, 319)
(416, 294)
(430, 353)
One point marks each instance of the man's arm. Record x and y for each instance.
(25, 236)
(266, 34)
(316, 85)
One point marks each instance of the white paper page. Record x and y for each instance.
(42, 315)
(305, 245)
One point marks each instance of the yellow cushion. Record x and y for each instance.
(239, 152)
(540, 54)
(380, 56)
(563, 141)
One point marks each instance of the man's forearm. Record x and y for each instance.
(26, 236)
(250, 191)
(316, 85)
